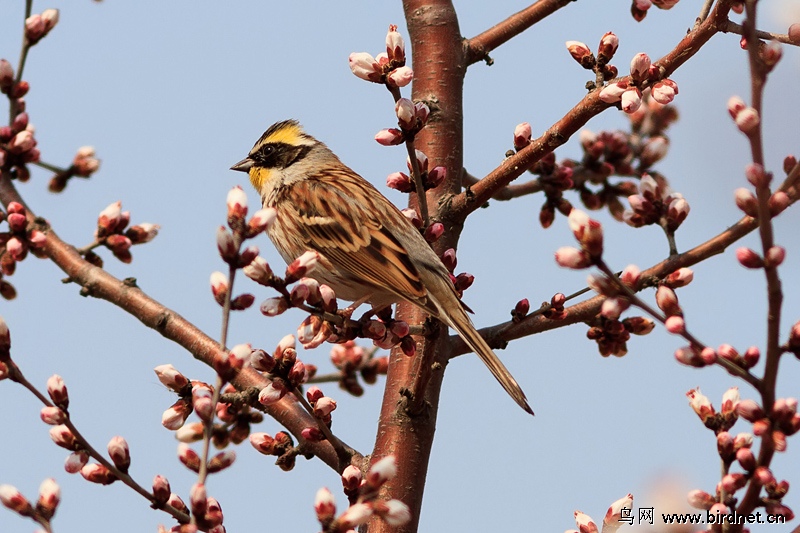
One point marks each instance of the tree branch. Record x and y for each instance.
(468, 201)
(478, 48)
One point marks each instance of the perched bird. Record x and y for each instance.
(369, 251)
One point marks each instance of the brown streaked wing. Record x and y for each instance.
(341, 216)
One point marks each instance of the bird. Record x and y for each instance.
(368, 250)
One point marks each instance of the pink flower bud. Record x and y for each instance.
(394, 512)
(640, 67)
(400, 181)
(52, 416)
(747, 120)
(654, 150)
(700, 499)
(6, 75)
(570, 257)
(109, 219)
(263, 443)
(677, 212)
(400, 77)
(262, 220)
(735, 106)
(219, 286)
(14, 500)
(274, 391)
(585, 523)
(355, 515)
(395, 47)
(227, 248)
(749, 410)
(119, 453)
(690, 357)
(730, 400)
(412, 217)
(142, 233)
(325, 506)
(301, 266)
(169, 376)
(434, 231)
(771, 53)
(746, 201)
(365, 67)
(188, 457)
(174, 417)
(522, 135)
(679, 278)
(259, 271)
(237, 204)
(17, 222)
(763, 475)
(198, 499)
(631, 99)
(75, 461)
(351, 479)
(675, 325)
(778, 202)
(667, 301)
(161, 489)
(49, 498)
(581, 53)
(422, 112)
(746, 459)
(775, 256)
(435, 177)
(701, 404)
(324, 406)
(406, 116)
(189, 433)
(449, 259)
(609, 43)
(97, 473)
(664, 91)
(733, 482)
(390, 137)
(756, 175)
(221, 461)
(58, 391)
(613, 92)
(273, 306)
(381, 471)
(615, 511)
(748, 258)
(794, 33)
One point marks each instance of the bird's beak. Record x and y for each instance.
(244, 165)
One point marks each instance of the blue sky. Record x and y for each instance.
(172, 94)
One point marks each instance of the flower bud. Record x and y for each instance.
(119, 453)
(365, 67)
(581, 53)
(49, 498)
(395, 47)
(325, 506)
(640, 67)
(58, 391)
(97, 473)
(301, 266)
(748, 258)
(14, 500)
(188, 457)
(381, 471)
(390, 137)
(400, 77)
(169, 376)
(522, 135)
(609, 43)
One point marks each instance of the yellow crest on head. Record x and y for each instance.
(287, 132)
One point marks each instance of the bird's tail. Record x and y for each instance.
(457, 319)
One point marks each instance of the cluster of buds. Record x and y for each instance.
(411, 117)
(737, 448)
(39, 25)
(386, 68)
(554, 179)
(431, 177)
(323, 406)
(234, 427)
(717, 422)
(284, 370)
(612, 335)
(111, 233)
(627, 92)
(782, 421)
(745, 117)
(84, 164)
(46, 505)
(639, 7)
(362, 492)
(656, 204)
(18, 146)
(307, 291)
(15, 244)
(351, 360)
(589, 234)
(229, 244)
(617, 515)
(281, 445)
(386, 332)
(15, 90)
(581, 53)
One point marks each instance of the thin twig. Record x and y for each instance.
(732, 27)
